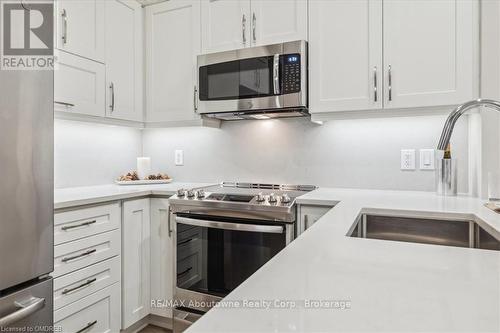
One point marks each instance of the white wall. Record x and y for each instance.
(92, 154)
(361, 153)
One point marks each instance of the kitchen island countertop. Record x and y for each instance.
(379, 286)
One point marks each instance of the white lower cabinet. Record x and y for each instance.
(309, 214)
(99, 312)
(136, 265)
(79, 85)
(162, 261)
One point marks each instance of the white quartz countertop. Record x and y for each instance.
(78, 196)
(387, 285)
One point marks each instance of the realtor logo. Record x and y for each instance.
(27, 30)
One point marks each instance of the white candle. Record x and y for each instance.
(143, 167)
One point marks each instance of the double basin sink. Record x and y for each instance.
(436, 231)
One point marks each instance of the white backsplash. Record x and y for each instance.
(93, 154)
(361, 153)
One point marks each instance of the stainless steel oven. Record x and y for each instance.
(254, 83)
(224, 234)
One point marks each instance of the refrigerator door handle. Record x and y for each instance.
(26, 309)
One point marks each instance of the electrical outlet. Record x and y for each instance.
(408, 159)
(427, 159)
(179, 157)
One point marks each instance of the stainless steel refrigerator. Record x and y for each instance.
(26, 199)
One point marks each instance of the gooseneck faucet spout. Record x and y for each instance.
(457, 113)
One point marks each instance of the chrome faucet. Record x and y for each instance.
(457, 113)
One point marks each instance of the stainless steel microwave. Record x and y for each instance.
(254, 83)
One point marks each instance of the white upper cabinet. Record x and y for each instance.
(428, 52)
(80, 27)
(172, 44)
(124, 60)
(225, 25)
(345, 50)
(277, 21)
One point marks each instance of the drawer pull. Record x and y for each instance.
(65, 104)
(89, 282)
(184, 272)
(89, 325)
(68, 227)
(79, 255)
(185, 241)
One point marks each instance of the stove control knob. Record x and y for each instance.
(285, 199)
(200, 194)
(190, 193)
(272, 198)
(181, 193)
(260, 197)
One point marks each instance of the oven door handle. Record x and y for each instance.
(268, 229)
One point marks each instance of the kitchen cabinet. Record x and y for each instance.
(428, 52)
(278, 21)
(80, 28)
(173, 42)
(225, 25)
(136, 266)
(162, 284)
(308, 215)
(380, 55)
(124, 80)
(234, 24)
(79, 85)
(345, 50)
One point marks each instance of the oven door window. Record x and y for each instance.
(245, 78)
(215, 261)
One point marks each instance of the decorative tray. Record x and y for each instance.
(143, 182)
(494, 206)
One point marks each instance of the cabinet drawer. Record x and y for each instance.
(69, 257)
(74, 286)
(188, 270)
(188, 235)
(81, 223)
(96, 313)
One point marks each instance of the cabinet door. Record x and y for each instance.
(79, 85)
(345, 49)
(172, 44)
(135, 261)
(124, 59)
(225, 25)
(80, 27)
(308, 215)
(162, 285)
(428, 52)
(277, 21)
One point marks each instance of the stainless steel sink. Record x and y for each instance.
(461, 233)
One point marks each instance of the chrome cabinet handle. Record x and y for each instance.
(112, 88)
(65, 104)
(26, 309)
(276, 74)
(270, 229)
(64, 16)
(375, 92)
(184, 272)
(306, 222)
(89, 325)
(195, 98)
(244, 28)
(254, 25)
(169, 223)
(68, 227)
(390, 83)
(89, 282)
(79, 255)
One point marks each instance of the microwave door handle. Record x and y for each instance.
(267, 229)
(276, 74)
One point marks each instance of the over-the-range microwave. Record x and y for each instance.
(254, 83)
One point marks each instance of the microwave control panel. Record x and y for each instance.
(291, 74)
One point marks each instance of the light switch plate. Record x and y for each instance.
(408, 159)
(427, 158)
(179, 157)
